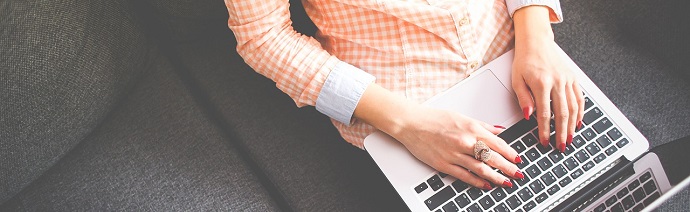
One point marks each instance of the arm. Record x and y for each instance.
(297, 63)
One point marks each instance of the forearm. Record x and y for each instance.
(383, 109)
(532, 24)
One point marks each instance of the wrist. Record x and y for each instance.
(384, 110)
(532, 25)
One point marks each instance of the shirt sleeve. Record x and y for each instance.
(298, 64)
(555, 13)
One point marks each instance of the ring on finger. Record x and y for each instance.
(482, 152)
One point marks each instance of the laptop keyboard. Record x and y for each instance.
(546, 169)
(633, 197)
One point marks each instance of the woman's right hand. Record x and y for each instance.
(445, 141)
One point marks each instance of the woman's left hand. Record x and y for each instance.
(543, 81)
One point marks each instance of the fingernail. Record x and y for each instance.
(507, 183)
(570, 139)
(561, 146)
(518, 174)
(487, 186)
(545, 143)
(579, 125)
(499, 126)
(525, 111)
(518, 159)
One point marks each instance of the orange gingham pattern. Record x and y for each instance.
(413, 48)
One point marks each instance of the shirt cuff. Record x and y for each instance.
(341, 92)
(555, 14)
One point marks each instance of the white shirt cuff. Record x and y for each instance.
(555, 5)
(341, 92)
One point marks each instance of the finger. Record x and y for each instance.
(466, 176)
(501, 147)
(561, 113)
(573, 108)
(495, 129)
(542, 98)
(524, 95)
(508, 168)
(580, 104)
(483, 170)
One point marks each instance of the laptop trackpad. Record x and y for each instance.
(484, 98)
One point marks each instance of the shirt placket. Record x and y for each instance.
(463, 25)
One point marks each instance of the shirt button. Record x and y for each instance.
(464, 21)
(474, 64)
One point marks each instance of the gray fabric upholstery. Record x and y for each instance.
(157, 152)
(63, 66)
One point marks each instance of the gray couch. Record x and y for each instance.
(145, 106)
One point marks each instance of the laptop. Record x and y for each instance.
(605, 169)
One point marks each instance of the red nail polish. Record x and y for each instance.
(518, 159)
(499, 126)
(570, 139)
(525, 111)
(579, 125)
(507, 183)
(561, 146)
(519, 175)
(487, 186)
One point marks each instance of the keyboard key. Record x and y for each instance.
(599, 158)
(628, 202)
(525, 194)
(565, 181)
(532, 154)
(602, 125)
(592, 148)
(578, 141)
(589, 134)
(560, 171)
(518, 129)
(439, 198)
(522, 181)
(435, 182)
(544, 163)
(611, 150)
(462, 200)
(529, 140)
(474, 208)
(582, 156)
(569, 149)
(459, 186)
(556, 156)
(513, 202)
(420, 188)
(592, 116)
(622, 193)
(617, 208)
(649, 187)
(541, 198)
(614, 134)
(510, 190)
(571, 163)
(486, 202)
(639, 195)
(519, 147)
(600, 208)
(634, 184)
(433, 179)
(553, 189)
(603, 141)
(622, 143)
(548, 178)
(645, 176)
(588, 103)
(498, 194)
(474, 193)
(651, 198)
(611, 200)
(501, 208)
(529, 206)
(450, 207)
(536, 186)
(443, 175)
(588, 166)
(533, 171)
(577, 173)
(638, 208)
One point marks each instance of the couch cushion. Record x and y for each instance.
(63, 67)
(158, 151)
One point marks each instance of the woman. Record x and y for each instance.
(373, 62)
